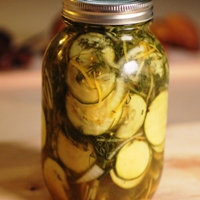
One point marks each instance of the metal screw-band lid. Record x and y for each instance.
(108, 12)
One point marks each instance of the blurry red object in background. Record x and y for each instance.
(177, 30)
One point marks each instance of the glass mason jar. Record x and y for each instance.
(105, 94)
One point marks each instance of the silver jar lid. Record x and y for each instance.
(108, 12)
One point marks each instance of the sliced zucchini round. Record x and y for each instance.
(87, 46)
(55, 179)
(88, 79)
(74, 157)
(133, 160)
(85, 87)
(156, 119)
(133, 113)
(91, 39)
(125, 184)
(96, 119)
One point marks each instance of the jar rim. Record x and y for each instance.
(113, 12)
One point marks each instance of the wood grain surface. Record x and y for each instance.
(21, 177)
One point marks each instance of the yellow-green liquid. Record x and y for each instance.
(103, 103)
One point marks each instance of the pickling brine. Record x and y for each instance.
(105, 94)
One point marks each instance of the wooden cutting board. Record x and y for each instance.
(21, 177)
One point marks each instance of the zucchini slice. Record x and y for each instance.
(133, 113)
(133, 160)
(89, 74)
(74, 157)
(55, 179)
(87, 46)
(96, 119)
(92, 40)
(156, 119)
(84, 86)
(125, 184)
